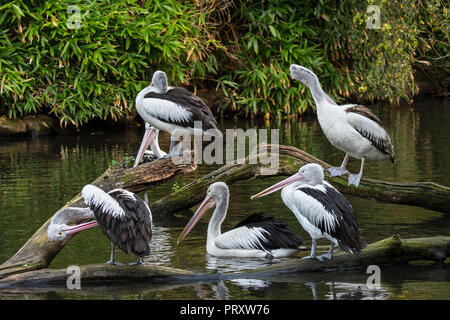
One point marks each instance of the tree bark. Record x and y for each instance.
(390, 251)
(39, 251)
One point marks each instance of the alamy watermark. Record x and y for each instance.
(374, 17)
(374, 280)
(233, 149)
(74, 279)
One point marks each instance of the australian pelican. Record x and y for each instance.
(122, 215)
(321, 210)
(255, 236)
(351, 128)
(173, 110)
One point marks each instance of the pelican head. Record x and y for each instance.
(217, 193)
(159, 82)
(58, 229)
(311, 174)
(304, 75)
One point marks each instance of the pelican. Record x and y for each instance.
(321, 210)
(123, 217)
(256, 236)
(174, 110)
(351, 128)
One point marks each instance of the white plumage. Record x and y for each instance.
(320, 209)
(256, 236)
(97, 197)
(174, 110)
(351, 128)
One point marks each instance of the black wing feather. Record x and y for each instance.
(384, 145)
(186, 99)
(279, 235)
(346, 231)
(131, 232)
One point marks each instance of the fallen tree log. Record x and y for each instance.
(39, 251)
(427, 195)
(386, 252)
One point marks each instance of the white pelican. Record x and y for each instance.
(256, 236)
(351, 128)
(123, 217)
(173, 109)
(321, 210)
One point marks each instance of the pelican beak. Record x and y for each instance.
(68, 230)
(208, 203)
(279, 185)
(149, 135)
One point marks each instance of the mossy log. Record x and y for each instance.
(39, 251)
(390, 251)
(428, 195)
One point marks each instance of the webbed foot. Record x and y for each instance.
(337, 171)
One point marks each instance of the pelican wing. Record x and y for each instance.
(123, 217)
(369, 126)
(328, 210)
(190, 108)
(261, 233)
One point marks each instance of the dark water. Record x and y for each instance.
(38, 176)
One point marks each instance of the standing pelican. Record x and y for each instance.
(123, 217)
(351, 128)
(321, 210)
(173, 109)
(255, 236)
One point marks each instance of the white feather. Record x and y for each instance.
(164, 109)
(242, 238)
(98, 198)
(309, 211)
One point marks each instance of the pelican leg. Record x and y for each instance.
(111, 260)
(139, 261)
(171, 148)
(339, 171)
(354, 179)
(327, 255)
(313, 250)
(179, 147)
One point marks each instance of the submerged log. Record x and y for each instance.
(39, 251)
(386, 252)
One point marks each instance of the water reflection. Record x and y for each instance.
(38, 176)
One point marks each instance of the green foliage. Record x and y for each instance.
(331, 38)
(244, 48)
(128, 161)
(95, 70)
(276, 34)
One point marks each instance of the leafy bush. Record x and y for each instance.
(331, 38)
(95, 70)
(244, 48)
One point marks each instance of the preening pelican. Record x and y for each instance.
(256, 236)
(321, 210)
(351, 128)
(173, 109)
(123, 217)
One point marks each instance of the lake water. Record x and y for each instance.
(38, 176)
